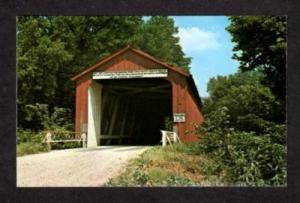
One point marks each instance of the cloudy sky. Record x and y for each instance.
(205, 39)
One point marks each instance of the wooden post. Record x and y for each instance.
(132, 120)
(48, 140)
(164, 138)
(124, 119)
(168, 138)
(94, 114)
(113, 119)
(83, 138)
(174, 137)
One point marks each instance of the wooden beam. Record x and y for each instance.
(145, 89)
(124, 120)
(134, 87)
(104, 100)
(113, 119)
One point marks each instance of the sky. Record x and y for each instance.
(205, 39)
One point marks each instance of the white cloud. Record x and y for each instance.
(195, 39)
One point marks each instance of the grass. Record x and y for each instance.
(26, 148)
(30, 148)
(177, 165)
(29, 142)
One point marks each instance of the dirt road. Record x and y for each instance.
(74, 167)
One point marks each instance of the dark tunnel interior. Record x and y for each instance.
(134, 111)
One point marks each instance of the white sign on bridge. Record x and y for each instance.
(151, 73)
(179, 117)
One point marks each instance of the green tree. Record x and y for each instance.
(50, 50)
(157, 37)
(251, 106)
(260, 44)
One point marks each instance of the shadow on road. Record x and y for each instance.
(118, 148)
(128, 148)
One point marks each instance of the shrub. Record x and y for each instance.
(33, 140)
(29, 136)
(36, 116)
(252, 159)
(61, 118)
(256, 160)
(30, 148)
(39, 117)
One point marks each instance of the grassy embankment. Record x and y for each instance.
(29, 142)
(177, 165)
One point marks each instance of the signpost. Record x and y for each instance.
(179, 117)
(150, 73)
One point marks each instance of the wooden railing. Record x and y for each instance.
(52, 137)
(169, 137)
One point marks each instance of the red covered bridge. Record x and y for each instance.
(126, 97)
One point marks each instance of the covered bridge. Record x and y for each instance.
(126, 98)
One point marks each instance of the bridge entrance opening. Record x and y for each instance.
(133, 111)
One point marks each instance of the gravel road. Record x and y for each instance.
(87, 167)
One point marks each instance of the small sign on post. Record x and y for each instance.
(179, 117)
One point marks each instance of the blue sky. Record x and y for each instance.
(205, 39)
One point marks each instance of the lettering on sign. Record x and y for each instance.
(153, 73)
(179, 117)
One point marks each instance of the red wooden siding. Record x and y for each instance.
(81, 103)
(184, 102)
(183, 98)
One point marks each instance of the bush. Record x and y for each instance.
(29, 136)
(256, 160)
(61, 118)
(36, 116)
(33, 141)
(39, 117)
(251, 159)
(30, 148)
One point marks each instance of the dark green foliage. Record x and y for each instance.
(260, 44)
(37, 116)
(251, 159)
(30, 148)
(66, 145)
(60, 119)
(29, 142)
(29, 136)
(168, 124)
(244, 129)
(250, 105)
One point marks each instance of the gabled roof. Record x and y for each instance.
(139, 52)
(145, 55)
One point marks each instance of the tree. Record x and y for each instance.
(251, 106)
(157, 37)
(260, 44)
(50, 50)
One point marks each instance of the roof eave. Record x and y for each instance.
(102, 61)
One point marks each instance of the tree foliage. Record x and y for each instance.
(260, 44)
(52, 49)
(244, 128)
(251, 105)
(251, 159)
(157, 37)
